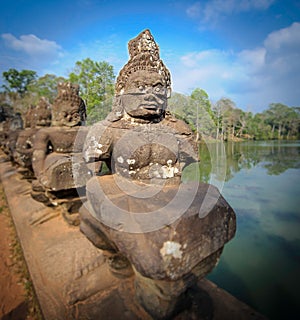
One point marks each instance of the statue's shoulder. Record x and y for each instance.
(45, 131)
(178, 125)
(98, 126)
(100, 131)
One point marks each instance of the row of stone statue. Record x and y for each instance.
(167, 232)
(43, 144)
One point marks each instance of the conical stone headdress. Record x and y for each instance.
(144, 55)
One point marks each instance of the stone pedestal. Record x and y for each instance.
(170, 245)
(73, 279)
(163, 299)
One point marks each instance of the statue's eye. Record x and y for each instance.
(158, 88)
(141, 88)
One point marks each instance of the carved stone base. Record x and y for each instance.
(161, 299)
(74, 280)
(167, 260)
(164, 299)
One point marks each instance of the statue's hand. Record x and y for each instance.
(37, 186)
(93, 152)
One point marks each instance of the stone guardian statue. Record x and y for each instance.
(171, 232)
(54, 150)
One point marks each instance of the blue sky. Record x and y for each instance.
(246, 50)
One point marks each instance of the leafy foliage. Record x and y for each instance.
(195, 110)
(224, 121)
(283, 120)
(96, 80)
(45, 86)
(221, 120)
(18, 81)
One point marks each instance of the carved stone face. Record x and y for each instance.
(144, 95)
(68, 109)
(66, 116)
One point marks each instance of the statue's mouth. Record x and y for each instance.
(152, 107)
(147, 111)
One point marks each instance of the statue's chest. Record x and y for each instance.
(139, 151)
(64, 141)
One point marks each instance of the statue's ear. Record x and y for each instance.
(169, 92)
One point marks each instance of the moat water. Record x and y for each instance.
(260, 180)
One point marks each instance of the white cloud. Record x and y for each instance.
(208, 69)
(252, 60)
(32, 45)
(283, 51)
(287, 37)
(45, 56)
(30, 52)
(211, 10)
(252, 78)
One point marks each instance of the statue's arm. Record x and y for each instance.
(188, 147)
(98, 144)
(40, 148)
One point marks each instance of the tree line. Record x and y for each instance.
(221, 120)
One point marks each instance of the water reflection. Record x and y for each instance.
(261, 182)
(275, 156)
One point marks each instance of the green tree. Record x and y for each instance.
(195, 110)
(242, 125)
(281, 118)
(45, 86)
(292, 123)
(226, 118)
(18, 81)
(179, 105)
(202, 116)
(224, 121)
(96, 80)
(258, 128)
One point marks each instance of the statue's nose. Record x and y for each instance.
(150, 97)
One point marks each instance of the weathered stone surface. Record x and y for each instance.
(36, 117)
(23, 151)
(142, 151)
(68, 108)
(173, 256)
(92, 229)
(56, 159)
(6, 112)
(73, 280)
(172, 232)
(9, 132)
(175, 244)
(144, 55)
